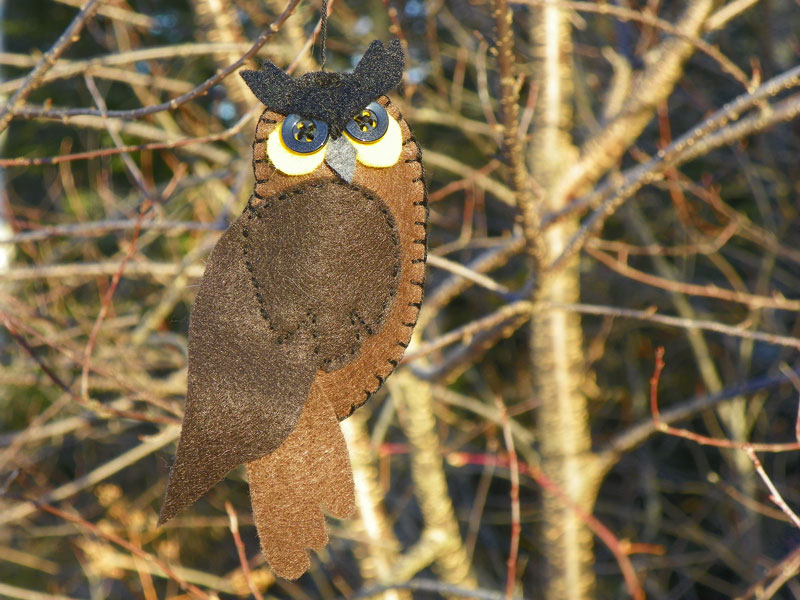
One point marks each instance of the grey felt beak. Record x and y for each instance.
(341, 157)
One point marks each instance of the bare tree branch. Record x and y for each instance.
(47, 61)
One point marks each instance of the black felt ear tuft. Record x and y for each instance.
(271, 85)
(380, 70)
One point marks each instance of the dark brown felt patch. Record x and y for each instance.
(325, 263)
(294, 286)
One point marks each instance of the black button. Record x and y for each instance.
(370, 124)
(304, 135)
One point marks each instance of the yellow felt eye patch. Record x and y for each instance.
(289, 162)
(383, 152)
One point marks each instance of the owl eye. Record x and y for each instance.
(376, 137)
(369, 125)
(304, 136)
(297, 146)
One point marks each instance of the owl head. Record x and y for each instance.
(330, 119)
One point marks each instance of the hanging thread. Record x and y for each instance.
(323, 32)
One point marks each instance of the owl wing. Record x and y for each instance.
(294, 287)
(245, 390)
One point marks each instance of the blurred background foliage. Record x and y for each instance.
(94, 436)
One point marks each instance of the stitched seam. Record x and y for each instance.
(354, 316)
(310, 315)
(249, 266)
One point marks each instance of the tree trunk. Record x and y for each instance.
(414, 402)
(556, 341)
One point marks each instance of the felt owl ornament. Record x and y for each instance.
(307, 303)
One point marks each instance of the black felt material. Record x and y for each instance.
(331, 97)
(295, 285)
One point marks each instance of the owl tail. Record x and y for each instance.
(287, 487)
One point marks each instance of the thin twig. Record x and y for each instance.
(240, 550)
(627, 440)
(684, 323)
(20, 511)
(132, 387)
(528, 202)
(712, 133)
(70, 68)
(427, 585)
(460, 184)
(701, 247)
(87, 354)
(660, 425)
(470, 329)
(453, 286)
(99, 228)
(467, 273)
(19, 593)
(450, 164)
(64, 113)
(34, 78)
(709, 291)
(522, 306)
(626, 14)
(54, 160)
(118, 13)
(146, 556)
(309, 42)
(126, 76)
(617, 548)
(469, 354)
(775, 495)
(726, 13)
(511, 574)
(42, 365)
(786, 569)
(130, 166)
(483, 84)
(601, 153)
(83, 270)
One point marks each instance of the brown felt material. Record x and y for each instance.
(295, 285)
(308, 302)
(402, 188)
(287, 488)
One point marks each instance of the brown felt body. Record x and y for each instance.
(287, 487)
(294, 286)
(308, 302)
(402, 188)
